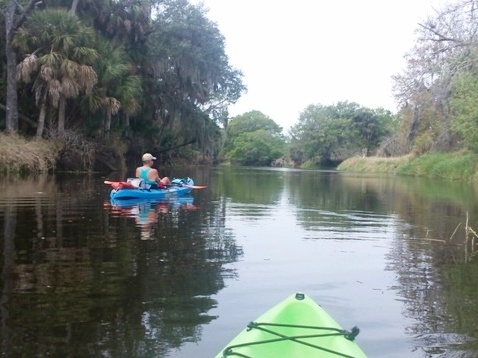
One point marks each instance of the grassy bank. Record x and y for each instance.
(449, 166)
(374, 164)
(19, 155)
(73, 153)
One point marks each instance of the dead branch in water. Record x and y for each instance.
(454, 232)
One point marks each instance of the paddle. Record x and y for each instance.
(189, 186)
(129, 185)
(120, 184)
(113, 182)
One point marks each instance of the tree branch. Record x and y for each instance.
(441, 37)
(192, 141)
(24, 12)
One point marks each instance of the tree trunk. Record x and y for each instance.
(108, 122)
(413, 129)
(11, 120)
(126, 128)
(74, 5)
(41, 120)
(61, 117)
(22, 117)
(126, 121)
(11, 24)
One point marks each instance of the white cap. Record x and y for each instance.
(147, 157)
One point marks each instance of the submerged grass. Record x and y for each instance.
(449, 166)
(21, 155)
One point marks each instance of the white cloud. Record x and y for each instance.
(306, 52)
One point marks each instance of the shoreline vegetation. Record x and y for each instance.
(457, 166)
(21, 155)
(70, 154)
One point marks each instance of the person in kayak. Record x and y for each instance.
(149, 174)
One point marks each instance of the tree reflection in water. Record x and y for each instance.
(79, 280)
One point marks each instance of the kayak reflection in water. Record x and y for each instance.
(146, 215)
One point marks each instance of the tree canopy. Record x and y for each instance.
(254, 139)
(152, 74)
(327, 134)
(436, 91)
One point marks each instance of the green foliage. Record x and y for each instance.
(258, 148)
(450, 166)
(250, 122)
(118, 90)
(459, 165)
(57, 35)
(161, 71)
(465, 109)
(187, 78)
(373, 164)
(437, 78)
(254, 139)
(57, 51)
(372, 126)
(423, 143)
(332, 133)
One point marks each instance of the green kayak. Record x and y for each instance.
(295, 328)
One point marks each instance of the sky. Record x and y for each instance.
(296, 53)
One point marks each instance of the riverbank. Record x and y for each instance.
(20, 155)
(76, 154)
(461, 166)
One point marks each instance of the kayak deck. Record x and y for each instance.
(296, 327)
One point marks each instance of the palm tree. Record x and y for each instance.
(58, 57)
(117, 88)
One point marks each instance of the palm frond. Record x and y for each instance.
(51, 59)
(93, 100)
(69, 87)
(46, 73)
(54, 92)
(86, 78)
(27, 67)
(112, 103)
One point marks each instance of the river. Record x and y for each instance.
(85, 277)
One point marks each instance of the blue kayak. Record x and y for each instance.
(178, 188)
(174, 201)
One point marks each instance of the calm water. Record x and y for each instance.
(83, 277)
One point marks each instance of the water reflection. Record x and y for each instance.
(82, 276)
(433, 259)
(77, 280)
(146, 213)
(429, 245)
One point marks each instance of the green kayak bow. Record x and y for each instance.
(295, 328)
